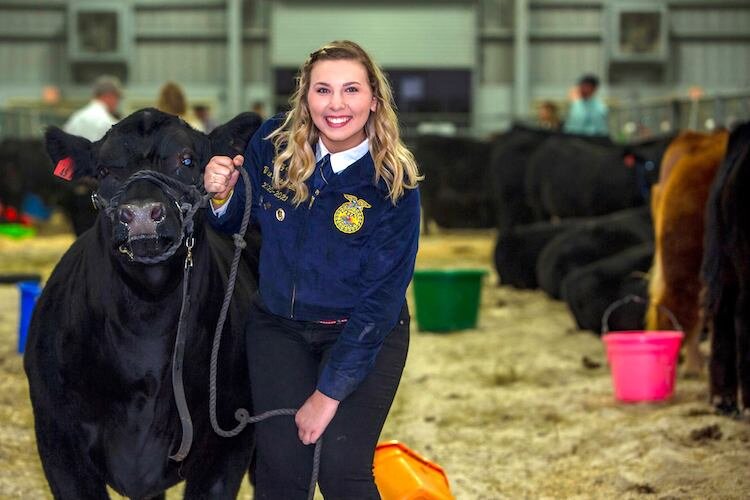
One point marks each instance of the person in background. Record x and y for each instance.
(259, 108)
(587, 114)
(335, 195)
(94, 120)
(172, 100)
(203, 113)
(548, 116)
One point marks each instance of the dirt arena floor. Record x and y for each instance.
(520, 407)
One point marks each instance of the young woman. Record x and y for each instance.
(335, 194)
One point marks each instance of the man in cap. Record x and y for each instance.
(94, 120)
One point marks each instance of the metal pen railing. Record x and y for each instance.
(643, 118)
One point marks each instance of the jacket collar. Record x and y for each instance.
(341, 160)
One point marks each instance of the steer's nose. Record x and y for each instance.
(126, 215)
(142, 218)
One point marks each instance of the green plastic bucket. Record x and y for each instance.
(447, 299)
(16, 231)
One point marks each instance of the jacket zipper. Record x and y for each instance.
(300, 237)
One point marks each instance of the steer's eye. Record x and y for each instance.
(102, 172)
(187, 161)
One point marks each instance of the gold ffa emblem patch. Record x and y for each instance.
(350, 216)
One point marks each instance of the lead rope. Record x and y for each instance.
(241, 414)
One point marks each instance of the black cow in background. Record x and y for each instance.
(455, 192)
(572, 177)
(726, 275)
(507, 172)
(598, 238)
(518, 248)
(591, 289)
(25, 169)
(101, 339)
(510, 167)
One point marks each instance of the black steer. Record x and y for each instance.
(590, 289)
(518, 248)
(25, 170)
(726, 274)
(598, 238)
(572, 177)
(507, 171)
(455, 193)
(101, 339)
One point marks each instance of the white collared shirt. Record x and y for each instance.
(339, 162)
(91, 121)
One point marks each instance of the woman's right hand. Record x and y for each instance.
(221, 174)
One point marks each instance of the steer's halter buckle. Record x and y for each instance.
(97, 201)
(189, 243)
(124, 249)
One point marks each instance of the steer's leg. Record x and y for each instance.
(723, 363)
(70, 472)
(742, 315)
(221, 478)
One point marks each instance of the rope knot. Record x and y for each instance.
(239, 241)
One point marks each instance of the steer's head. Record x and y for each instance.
(149, 171)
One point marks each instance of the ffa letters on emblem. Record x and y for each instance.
(350, 216)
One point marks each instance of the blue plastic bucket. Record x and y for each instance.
(30, 291)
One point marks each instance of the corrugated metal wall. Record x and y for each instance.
(186, 40)
(31, 44)
(398, 35)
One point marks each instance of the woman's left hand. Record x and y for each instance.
(314, 416)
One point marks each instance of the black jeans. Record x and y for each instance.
(285, 358)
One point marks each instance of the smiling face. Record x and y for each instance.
(340, 100)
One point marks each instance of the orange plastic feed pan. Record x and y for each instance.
(403, 474)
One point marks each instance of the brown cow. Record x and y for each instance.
(678, 206)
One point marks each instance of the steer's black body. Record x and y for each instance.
(101, 340)
(507, 173)
(572, 177)
(591, 289)
(25, 169)
(455, 193)
(726, 274)
(518, 248)
(596, 239)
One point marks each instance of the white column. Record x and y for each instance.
(234, 102)
(521, 58)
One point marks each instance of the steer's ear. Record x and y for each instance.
(70, 154)
(231, 138)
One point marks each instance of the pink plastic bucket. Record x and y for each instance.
(643, 363)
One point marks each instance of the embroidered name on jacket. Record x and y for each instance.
(280, 195)
(350, 216)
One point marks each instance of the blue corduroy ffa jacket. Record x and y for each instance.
(348, 252)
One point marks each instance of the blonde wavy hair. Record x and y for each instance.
(296, 137)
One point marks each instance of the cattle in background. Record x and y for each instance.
(518, 248)
(101, 339)
(25, 170)
(678, 213)
(455, 191)
(726, 273)
(507, 172)
(596, 239)
(591, 289)
(572, 177)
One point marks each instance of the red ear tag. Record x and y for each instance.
(629, 160)
(64, 168)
